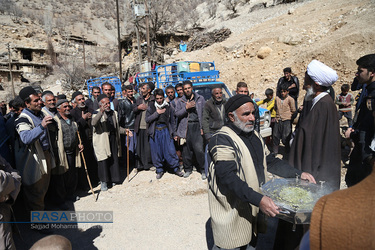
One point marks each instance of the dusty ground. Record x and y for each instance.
(148, 213)
(168, 213)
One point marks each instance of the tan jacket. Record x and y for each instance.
(233, 221)
(345, 219)
(285, 109)
(100, 136)
(63, 167)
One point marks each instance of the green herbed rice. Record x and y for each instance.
(295, 195)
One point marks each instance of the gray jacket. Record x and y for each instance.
(212, 119)
(183, 115)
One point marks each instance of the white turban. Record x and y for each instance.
(321, 73)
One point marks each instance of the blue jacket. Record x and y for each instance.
(182, 114)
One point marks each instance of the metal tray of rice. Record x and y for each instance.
(294, 197)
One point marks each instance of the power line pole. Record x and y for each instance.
(148, 33)
(119, 40)
(139, 45)
(137, 33)
(10, 71)
(84, 54)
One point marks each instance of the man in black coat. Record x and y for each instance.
(362, 131)
(144, 161)
(82, 115)
(213, 113)
(93, 103)
(293, 87)
(126, 119)
(292, 83)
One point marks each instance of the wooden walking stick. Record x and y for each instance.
(127, 154)
(84, 163)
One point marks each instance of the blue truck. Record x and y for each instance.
(204, 77)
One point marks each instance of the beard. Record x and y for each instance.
(81, 105)
(310, 94)
(243, 125)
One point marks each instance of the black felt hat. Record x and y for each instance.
(75, 94)
(61, 96)
(235, 102)
(61, 101)
(26, 92)
(100, 97)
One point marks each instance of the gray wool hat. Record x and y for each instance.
(61, 101)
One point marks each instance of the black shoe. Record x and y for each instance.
(179, 173)
(159, 175)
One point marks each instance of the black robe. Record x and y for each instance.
(316, 147)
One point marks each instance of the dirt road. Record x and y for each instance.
(168, 213)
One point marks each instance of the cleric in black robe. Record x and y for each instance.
(316, 147)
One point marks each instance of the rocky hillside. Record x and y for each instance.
(265, 41)
(264, 38)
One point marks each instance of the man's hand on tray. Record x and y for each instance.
(268, 207)
(309, 177)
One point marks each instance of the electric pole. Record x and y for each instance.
(84, 54)
(135, 16)
(10, 71)
(148, 33)
(119, 40)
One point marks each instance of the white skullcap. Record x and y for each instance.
(321, 73)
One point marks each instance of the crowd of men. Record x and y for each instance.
(50, 138)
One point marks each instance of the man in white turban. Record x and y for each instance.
(316, 146)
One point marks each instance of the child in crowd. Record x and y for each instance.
(285, 108)
(270, 104)
(345, 101)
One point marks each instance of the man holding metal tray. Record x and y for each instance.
(238, 164)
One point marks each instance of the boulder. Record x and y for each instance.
(263, 52)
